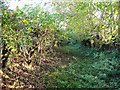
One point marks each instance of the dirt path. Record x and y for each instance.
(19, 74)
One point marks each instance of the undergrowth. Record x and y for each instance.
(89, 68)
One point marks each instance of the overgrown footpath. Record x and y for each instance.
(88, 68)
(72, 66)
(28, 36)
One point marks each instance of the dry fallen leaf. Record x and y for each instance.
(10, 86)
(1, 72)
(6, 76)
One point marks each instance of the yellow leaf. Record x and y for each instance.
(103, 27)
(6, 76)
(25, 21)
(29, 28)
(92, 41)
(55, 45)
(114, 32)
(13, 50)
(1, 72)
(10, 86)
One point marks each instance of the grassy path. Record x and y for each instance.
(88, 69)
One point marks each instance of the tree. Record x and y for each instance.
(90, 19)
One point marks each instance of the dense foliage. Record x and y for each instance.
(76, 46)
(95, 21)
